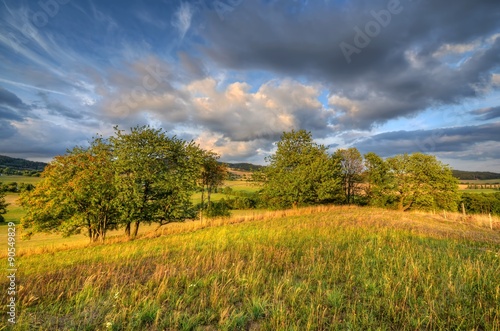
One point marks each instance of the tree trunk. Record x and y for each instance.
(136, 228)
(127, 229)
(202, 203)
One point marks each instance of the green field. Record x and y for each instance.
(480, 181)
(19, 179)
(322, 268)
(479, 191)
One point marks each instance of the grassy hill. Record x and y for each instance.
(475, 175)
(20, 164)
(310, 269)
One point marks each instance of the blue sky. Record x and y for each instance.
(383, 76)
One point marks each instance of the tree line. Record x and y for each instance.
(302, 172)
(144, 177)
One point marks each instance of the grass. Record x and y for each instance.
(323, 268)
(479, 190)
(19, 179)
(480, 181)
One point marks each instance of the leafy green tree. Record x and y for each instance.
(77, 193)
(300, 172)
(212, 175)
(351, 163)
(378, 180)
(155, 176)
(422, 182)
(3, 203)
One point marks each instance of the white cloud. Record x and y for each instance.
(448, 49)
(182, 18)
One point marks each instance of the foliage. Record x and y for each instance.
(475, 175)
(3, 203)
(19, 165)
(77, 193)
(14, 187)
(217, 209)
(155, 176)
(300, 173)
(212, 175)
(141, 176)
(420, 181)
(377, 180)
(481, 203)
(351, 163)
(243, 166)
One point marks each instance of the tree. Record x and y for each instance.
(3, 203)
(351, 163)
(421, 181)
(212, 175)
(77, 193)
(155, 176)
(377, 179)
(300, 172)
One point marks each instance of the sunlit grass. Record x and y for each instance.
(309, 269)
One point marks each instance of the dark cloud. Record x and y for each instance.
(6, 129)
(447, 140)
(397, 73)
(55, 107)
(11, 106)
(486, 114)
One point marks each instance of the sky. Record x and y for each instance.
(384, 76)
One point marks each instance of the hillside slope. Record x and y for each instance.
(20, 164)
(313, 269)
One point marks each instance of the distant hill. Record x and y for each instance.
(20, 164)
(471, 175)
(244, 166)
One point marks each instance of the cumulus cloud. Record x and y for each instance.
(275, 107)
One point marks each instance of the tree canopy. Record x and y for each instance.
(77, 193)
(300, 172)
(141, 176)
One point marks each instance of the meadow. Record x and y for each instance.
(317, 268)
(321, 268)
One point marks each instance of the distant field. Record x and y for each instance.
(241, 185)
(19, 179)
(323, 268)
(479, 191)
(480, 181)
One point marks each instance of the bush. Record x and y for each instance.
(217, 209)
(481, 203)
